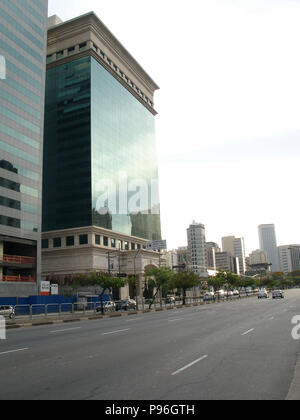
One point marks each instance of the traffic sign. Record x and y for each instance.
(156, 245)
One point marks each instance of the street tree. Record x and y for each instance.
(185, 280)
(102, 280)
(160, 280)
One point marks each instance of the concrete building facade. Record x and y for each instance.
(289, 258)
(236, 247)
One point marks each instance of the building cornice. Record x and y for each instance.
(94, 229)
(91, 23)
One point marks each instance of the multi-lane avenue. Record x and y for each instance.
(233, 350)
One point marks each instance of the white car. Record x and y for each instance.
(7, 311)
(263, 294)
(108, 306)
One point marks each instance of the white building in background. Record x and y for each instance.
(258, 257)
(197, 248)
(236, 247)
(171, 259)
(289, 258)
(268, 243)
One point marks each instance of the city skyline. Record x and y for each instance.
(228, 132)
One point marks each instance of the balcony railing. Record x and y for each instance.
(19, 279)
(16, 259)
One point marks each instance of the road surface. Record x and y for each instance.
(232, 350)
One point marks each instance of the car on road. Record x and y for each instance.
(208, 297)
(170, 299)
(126, 305)
(263, 294)
(7, 311)
(277, 294)
(108, 306)
(220, 294)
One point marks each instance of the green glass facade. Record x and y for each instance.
(97, 133)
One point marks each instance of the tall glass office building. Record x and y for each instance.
(22, 73)
(100, 165)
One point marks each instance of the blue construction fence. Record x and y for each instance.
(55, 303)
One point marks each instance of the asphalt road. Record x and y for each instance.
(228, 351)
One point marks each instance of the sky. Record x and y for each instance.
(228, 128)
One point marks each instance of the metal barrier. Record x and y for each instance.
(73, 309)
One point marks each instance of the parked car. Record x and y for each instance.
(229, 293)
(7, 311)
(277, 294)
(170, 299)
(108, 306)
(126, 305)
(263, 294)
(236, 292)
(208, 297)
(220, 293)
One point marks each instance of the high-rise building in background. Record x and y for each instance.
(289, 258)
(197, 248)
(268, 244)
(211, 249)
(236, 247)
(100, 193)
(23, 56)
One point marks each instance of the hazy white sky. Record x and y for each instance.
(228, 130)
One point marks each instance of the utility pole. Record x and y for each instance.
(109, 263)
(134, 265)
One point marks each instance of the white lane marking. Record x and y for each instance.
(115, 332)
(271, 319)
(13, 351)
(176, 319)
(134, 319)
(69, 329)
(248, 332)
(189, 365)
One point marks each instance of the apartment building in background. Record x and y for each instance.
(22, 83)
(99, 152)
(197, 248)
(289, 258)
